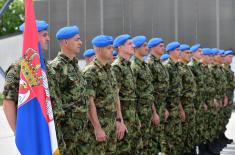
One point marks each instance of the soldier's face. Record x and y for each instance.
(198, 53)
(222, 58)
(144, 49)
(206, 59)
(217, 58)
(176, 53)
(44, 40)
(74, 44)
(160, 49)
(210, 58)
(186, 55)
(107, 52)
(229, 59)
(128, 47)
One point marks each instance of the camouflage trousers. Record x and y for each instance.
(199, 121)
(131, 142)
(73, 130)
(159, 137)
(211, 121)
(188, 127)
(108, 124)
(145, 115)
(173, 132)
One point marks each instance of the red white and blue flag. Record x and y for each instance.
(35, 128)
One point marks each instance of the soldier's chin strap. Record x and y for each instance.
(2, 73)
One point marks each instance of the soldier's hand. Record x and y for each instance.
(100, 135)
(182, 115)
(216, 103)
(225, 101)
(205, 107)
(166, 114)
(156, 119)
(121, 130)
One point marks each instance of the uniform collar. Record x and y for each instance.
(67, 59)
(154, 58)
(124, 61)
(100, 65)
(139, 62)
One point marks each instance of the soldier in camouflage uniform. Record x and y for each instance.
(188, 95)
(197, 69)
(218, 110)
(209, 106)
(70, 87)
(161, 85)
(102, 91)
(144, 95)
(221, 83)
(173, 128)
(121, 69)
(11, 86)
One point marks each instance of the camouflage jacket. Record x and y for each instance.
(199, 76)
(123, 74)
(209, 83)
(144, 86)
(102, 86)
(11, 85)
(160, 78)
(188, 83)
(220, 80)
(176, 86)
(71, 84)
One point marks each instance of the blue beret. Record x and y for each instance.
(120, 40)
(115, 53)
(154, 42)
(172, 46)
(215, 51)
(195, 47)
(40, 24)
(102, 41)
(138, 41)
(221, 52)
(164, 57)
(184, 47)
(207, 51)
(229, 52)
(89, 53)
(67, 32)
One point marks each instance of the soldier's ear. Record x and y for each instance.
(66, 42)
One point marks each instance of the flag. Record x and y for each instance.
(35, 128)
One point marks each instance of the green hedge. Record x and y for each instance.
(12, 18)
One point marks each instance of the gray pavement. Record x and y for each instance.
(7, 143)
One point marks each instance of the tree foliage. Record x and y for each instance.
(12, 18)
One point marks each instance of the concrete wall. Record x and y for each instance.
(210, 22)
(10, 51)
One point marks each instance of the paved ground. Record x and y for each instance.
(7, 144)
